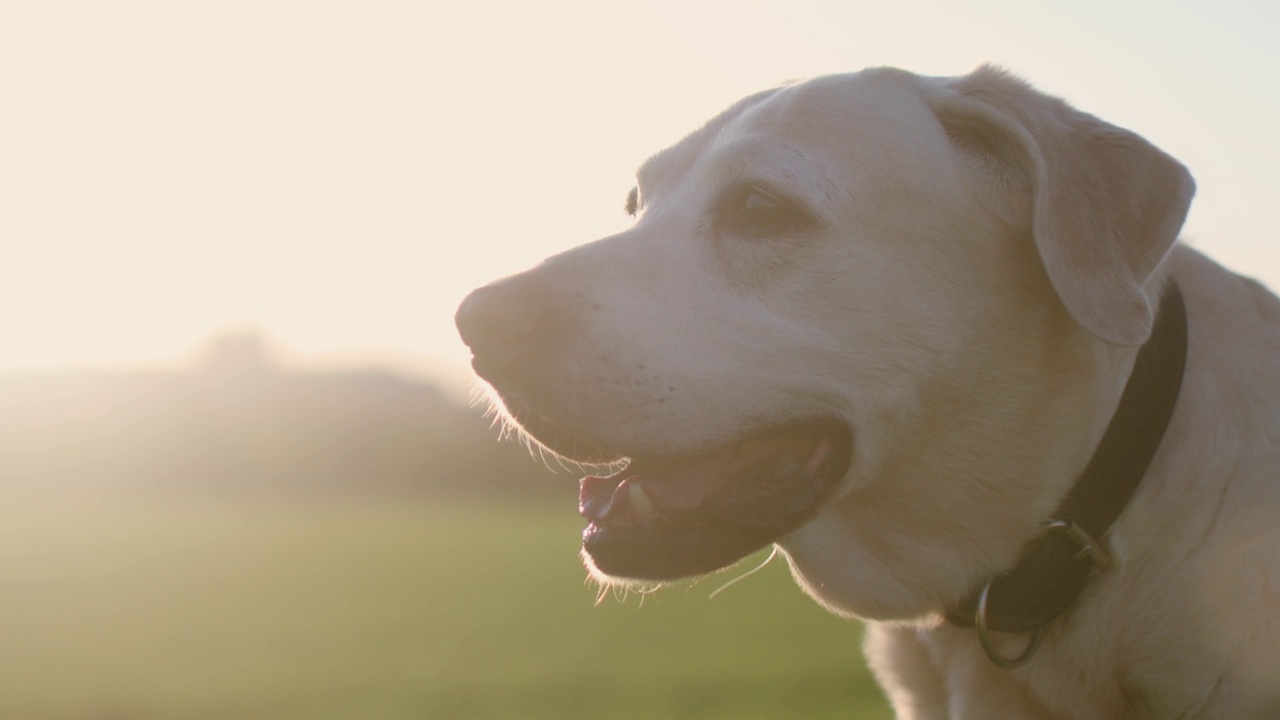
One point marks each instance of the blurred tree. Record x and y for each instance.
(238, 353)
(238, 425)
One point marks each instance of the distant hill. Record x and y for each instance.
(238, 426)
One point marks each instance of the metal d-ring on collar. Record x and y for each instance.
(1089, 547)
(984, 637)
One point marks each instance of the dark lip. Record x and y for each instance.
(670, 546)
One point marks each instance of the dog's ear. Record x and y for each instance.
(1106, 205)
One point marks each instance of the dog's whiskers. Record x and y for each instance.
(480, 394)
(745, 575)
(504, 412)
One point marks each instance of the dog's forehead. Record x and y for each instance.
(821, 106)
(866, 105)
(676, 159)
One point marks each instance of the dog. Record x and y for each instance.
(890, 324)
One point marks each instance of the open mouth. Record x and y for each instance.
(664, 518)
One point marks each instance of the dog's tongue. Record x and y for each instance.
(688, 483)
(660, 485)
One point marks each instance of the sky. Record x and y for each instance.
(338, 175)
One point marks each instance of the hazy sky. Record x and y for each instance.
(341, 174)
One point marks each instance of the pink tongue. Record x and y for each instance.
(675, 486)
(687, 483)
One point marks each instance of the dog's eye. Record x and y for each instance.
(632, 205)
(757, 214)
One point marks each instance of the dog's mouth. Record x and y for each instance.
(662, 518)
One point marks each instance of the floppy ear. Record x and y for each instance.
(1106, 205)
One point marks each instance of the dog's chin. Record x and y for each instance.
(670, 517)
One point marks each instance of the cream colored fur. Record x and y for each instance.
(984, 263)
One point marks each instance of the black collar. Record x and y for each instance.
(1055, 566)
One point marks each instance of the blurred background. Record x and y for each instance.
(240, 471)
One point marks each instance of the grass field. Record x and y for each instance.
(453, 611)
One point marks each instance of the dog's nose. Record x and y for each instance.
(503, 323)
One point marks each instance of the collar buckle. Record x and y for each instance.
(1089, 547)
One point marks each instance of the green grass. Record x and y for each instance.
(453, 611)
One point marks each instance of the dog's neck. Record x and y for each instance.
(1056, 565)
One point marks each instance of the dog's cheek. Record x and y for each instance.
(849, 579)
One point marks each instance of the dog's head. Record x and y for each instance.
(877, 319)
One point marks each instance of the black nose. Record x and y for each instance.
(505, 325)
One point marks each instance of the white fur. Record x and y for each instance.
(984, 265)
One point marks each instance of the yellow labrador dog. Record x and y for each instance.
(933, 338)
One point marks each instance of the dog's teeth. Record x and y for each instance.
(819, 456)
(639, 499)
